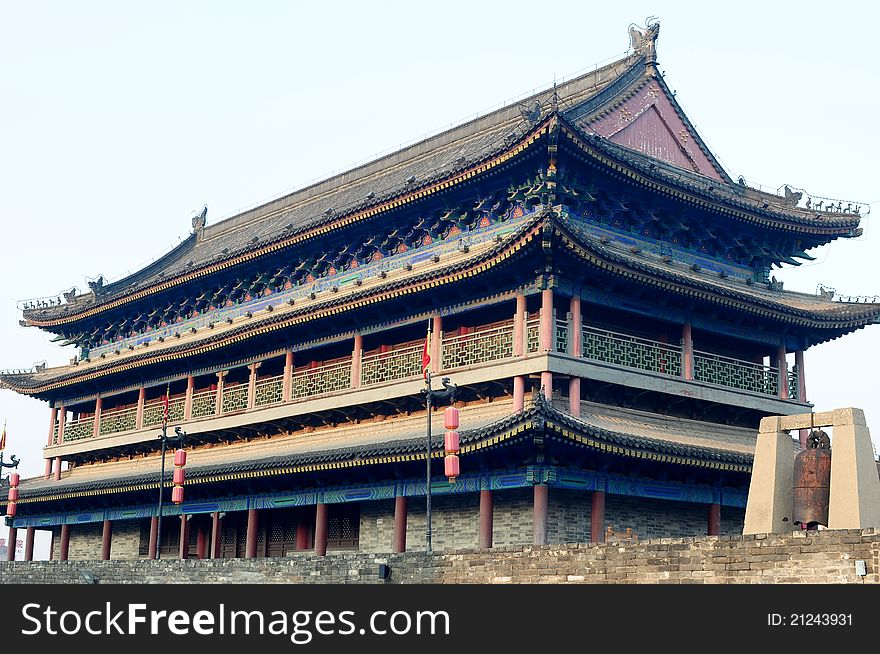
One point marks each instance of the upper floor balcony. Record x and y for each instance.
(519, 347)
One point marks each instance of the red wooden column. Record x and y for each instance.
(687, 351)
(783, 373)
(216, 525)
(10, 543)
(597, 517)
(29, 543)
(803, 434)
(400, 513)
(714, 520)
(302, 532)
(64, 544)
(574, 349)
(62, 419)
(519, 349)
(519, 393)
(183, 543)
(96, 430)
(218, 406)
(357, 353)
(286, 382)
(154, 533)
(321, 528)
(436, 335)
(188, 399)
(252, 385)
(139, 415)
(519, 326)
(202, 541)
(547, 328)
(106, 537)
(250, 548)
(486, 516)
(51, 544)
(540, 515)
(51, 441)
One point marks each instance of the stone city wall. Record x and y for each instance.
(799, 557)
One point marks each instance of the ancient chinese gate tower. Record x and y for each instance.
(600, 292)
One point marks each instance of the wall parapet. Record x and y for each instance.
(828, 557)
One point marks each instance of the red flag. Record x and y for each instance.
(426, 352)
(165, 399)
(3, 438)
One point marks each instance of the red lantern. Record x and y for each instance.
(179, 476)
(13, 480)
(10, 510)
(450, 417)
(13, 495)
(451, 466)
(180, 458)
(450, 442)
(177, 494)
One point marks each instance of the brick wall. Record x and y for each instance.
(799, 557)
(455, 523)
(656, 518)
(85, 541)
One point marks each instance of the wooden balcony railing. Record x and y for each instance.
(495, 343)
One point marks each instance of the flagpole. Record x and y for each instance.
(429, 438)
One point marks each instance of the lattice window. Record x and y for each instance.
(76, 430)
(116, 421)
(55, 432)
(478, 347)
(388, 366)
(269, 391)
(235, 398)
(324, 379)
(204, 404)
(733, 373)
(343, 527)
(632, 352)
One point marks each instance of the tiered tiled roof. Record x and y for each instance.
(624, 432)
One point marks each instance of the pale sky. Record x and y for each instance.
(119, 120)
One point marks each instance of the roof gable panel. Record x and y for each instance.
(649, 122)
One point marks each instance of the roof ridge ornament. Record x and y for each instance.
(198, 223)
(643, 40)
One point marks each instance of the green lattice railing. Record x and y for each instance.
(269, 391)
(631, 351)
(76, 430)
(320, 380)
(456, 352)
(113, 422)
(734, 373)
(392, 365)
(533, 335)
(235, 398)
(204, 404)
(155, 409)
(477, 347)
(793, 386)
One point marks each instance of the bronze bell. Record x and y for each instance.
(812, 481)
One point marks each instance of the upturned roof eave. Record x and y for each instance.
(541, 415)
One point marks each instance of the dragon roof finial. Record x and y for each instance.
(643, 40)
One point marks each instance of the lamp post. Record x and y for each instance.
(13, 489)
(448, 392)
(164, 438)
